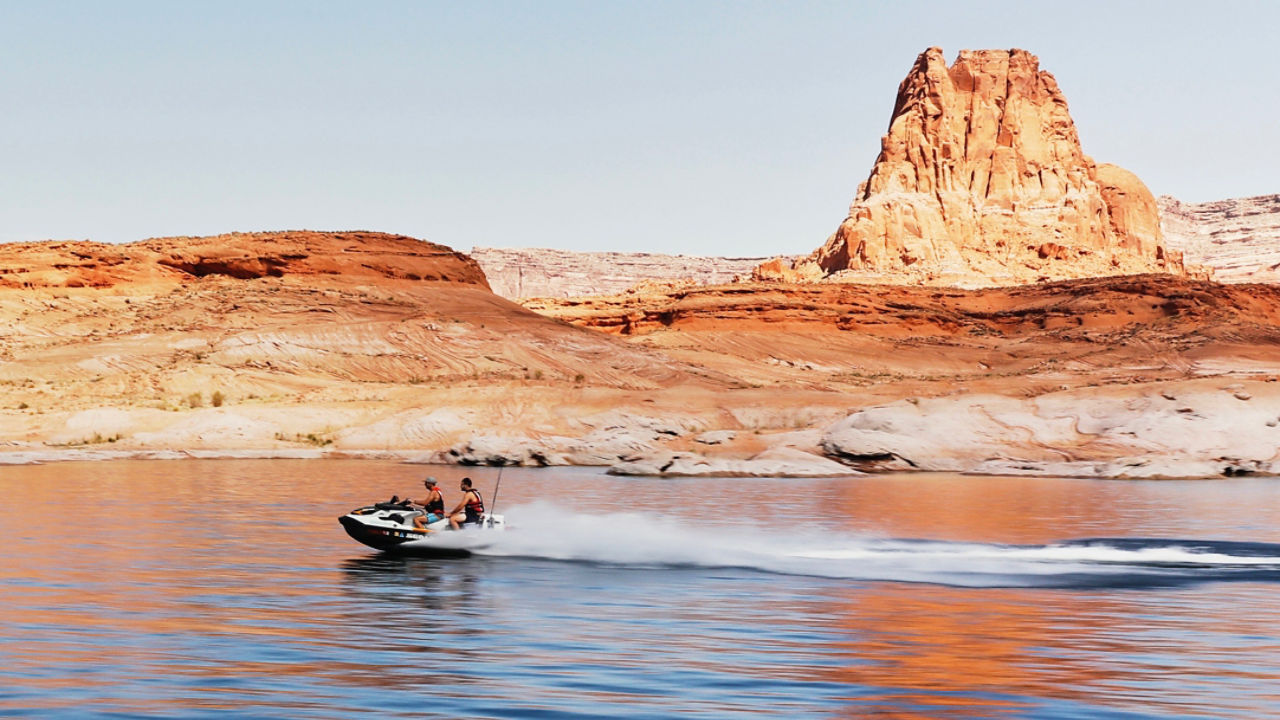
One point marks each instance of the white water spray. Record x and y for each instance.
(544, 531)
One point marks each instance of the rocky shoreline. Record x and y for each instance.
(1195, 429)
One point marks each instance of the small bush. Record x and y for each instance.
(195, 400)
(309, 438)
(217, 398)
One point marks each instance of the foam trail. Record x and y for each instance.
(544, 531)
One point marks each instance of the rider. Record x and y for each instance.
(433, 504)
(470, 509)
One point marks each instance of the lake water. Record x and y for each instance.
(228, 589)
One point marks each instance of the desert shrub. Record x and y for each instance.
(195, 400)
(316, 440)
(309, 438)
(217, 398)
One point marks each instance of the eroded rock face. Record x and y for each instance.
(1104, 312)
(1239, 239)
(537, 272)
(338, 255)
(1196, 433)
(981, 181)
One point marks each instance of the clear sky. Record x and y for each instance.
(701, 127)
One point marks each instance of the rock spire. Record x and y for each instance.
(981, 181)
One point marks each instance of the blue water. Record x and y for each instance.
(228, 589)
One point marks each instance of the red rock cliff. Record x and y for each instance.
(981, 180)
(354, 256)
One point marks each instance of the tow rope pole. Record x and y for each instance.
(497, 486)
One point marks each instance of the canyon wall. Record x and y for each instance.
(532, 272)
(1239, 239)
(1235, 240)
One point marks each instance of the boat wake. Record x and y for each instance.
(547, 532)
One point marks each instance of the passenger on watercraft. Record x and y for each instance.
(470, 510)
(433, 504)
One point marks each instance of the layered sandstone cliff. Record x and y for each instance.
(349, 256)
(538, 272)
(981, 181)
(1239, 239)
(300, 346)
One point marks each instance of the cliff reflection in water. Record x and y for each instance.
(191, 588)
(1012, 650)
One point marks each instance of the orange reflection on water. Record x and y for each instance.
(955, 648)
(183, 552)
(151, 568)
(1041, 510)
(961, 651)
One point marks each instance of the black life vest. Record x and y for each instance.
(436, 506)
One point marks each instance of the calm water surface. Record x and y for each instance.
(228, 589)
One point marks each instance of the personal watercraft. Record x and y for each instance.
(388, 526)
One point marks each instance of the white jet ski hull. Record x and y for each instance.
(389, 527)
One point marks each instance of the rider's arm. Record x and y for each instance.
(461, 504)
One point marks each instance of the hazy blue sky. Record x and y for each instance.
(728, 128)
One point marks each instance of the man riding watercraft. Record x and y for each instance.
(432, 504)
(470, 509)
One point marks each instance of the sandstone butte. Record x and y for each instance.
(981, 181)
